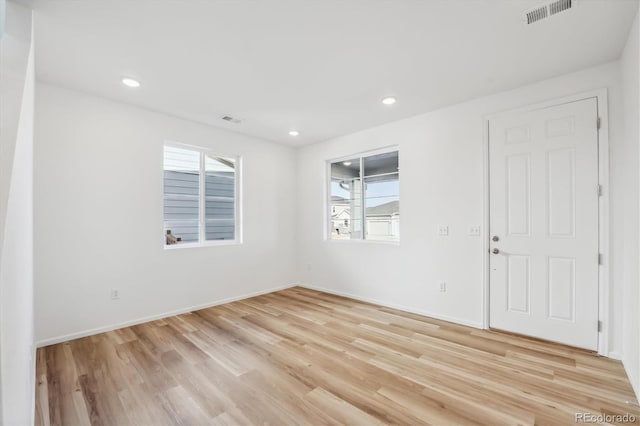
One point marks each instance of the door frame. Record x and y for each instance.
(603, 206)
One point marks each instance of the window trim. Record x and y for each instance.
(202, 241)
(327, 195)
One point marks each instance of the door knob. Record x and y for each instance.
(495, 251)
(495, 238)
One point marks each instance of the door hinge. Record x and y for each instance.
(600, 259)
(599, 190)
(599, 326)
(598, 123)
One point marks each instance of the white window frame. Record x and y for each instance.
(202, 232)
(327, 195)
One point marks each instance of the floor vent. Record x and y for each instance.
(542, 12)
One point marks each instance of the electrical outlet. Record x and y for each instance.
(115, 294)
(443, 230)
(443, 286)
(474, 230)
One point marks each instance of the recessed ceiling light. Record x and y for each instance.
(130, 82)
(389, 100)
(294, 133)
(347, 163)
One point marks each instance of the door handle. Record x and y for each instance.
(495, 251)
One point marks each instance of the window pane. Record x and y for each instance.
(346, 200)
(382, 197)
(382, 207)
(381, 164)
(219, 186)
(181, 193)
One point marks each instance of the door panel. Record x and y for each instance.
(518, 284)
(518, 196)
(561, 193)
(544, 210)
(561, 290)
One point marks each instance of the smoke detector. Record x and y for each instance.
(547, 10)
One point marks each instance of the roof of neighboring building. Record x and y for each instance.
(344, 214)
(386, 209)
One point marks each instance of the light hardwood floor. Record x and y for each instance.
(303, 357)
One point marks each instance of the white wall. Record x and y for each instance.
(98, 217)
(630, 68)
(17, 371)
(15, 53)
(441, 182)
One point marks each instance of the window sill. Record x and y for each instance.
(205, 244)
(355, 241)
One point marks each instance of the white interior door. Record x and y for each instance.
(543, 177)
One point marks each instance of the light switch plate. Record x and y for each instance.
(474, 230)
(443, 230)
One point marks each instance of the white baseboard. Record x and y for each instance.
(424, 313)
(615, 355)
(633, 380)
(97, 330)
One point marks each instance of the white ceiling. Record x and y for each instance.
(317, 66)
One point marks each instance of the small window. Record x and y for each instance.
(365, 198)
(200, 196)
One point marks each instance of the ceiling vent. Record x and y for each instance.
(546, 10)
(230, 119)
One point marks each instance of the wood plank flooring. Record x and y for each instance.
(303, 357)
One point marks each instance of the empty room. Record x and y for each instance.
(303, 212)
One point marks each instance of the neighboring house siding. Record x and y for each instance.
(220, 205)
(383, 221)
(181, 205)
